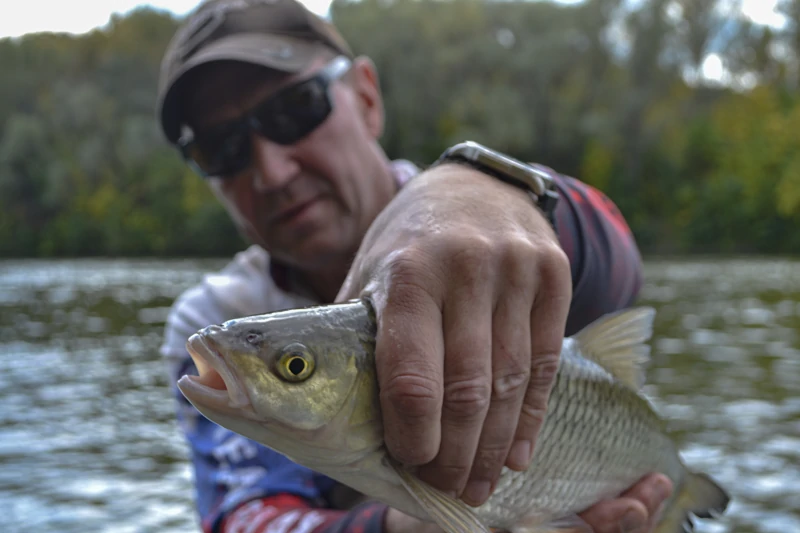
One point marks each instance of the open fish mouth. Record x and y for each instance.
(216, 386)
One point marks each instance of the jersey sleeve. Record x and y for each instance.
(604, 259)
(288, 514)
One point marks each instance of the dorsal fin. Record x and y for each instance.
(616, 342)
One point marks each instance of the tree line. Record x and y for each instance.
(614, 95)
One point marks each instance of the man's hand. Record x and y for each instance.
(636, 511)
(472, 292)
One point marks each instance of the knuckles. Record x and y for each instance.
(554, 262)
(534, 414)
(410, 277)
(414, 399)
(510, 386)
(489, 458)
(517, 256)
(469, 253)
(472, 255)
(467, 399)
(464, 257)
(543, 370)
(413, 396)
(406, 264)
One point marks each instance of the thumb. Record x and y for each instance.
(352, 287)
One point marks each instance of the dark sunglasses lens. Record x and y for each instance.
(295, 112)
(222, 154)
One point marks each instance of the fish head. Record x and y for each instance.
(293, 380)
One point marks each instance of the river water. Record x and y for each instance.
(88, 441)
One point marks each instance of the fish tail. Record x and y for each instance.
(700, 496)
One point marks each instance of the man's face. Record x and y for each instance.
(308, 203)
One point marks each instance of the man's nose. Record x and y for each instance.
(274, 164)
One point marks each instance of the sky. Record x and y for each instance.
(80, 16)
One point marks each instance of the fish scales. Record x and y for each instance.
(303, 382)
(592, 428)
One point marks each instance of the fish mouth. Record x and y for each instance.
(216, 386)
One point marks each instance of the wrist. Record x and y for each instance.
(459, 179)
(538, 184)
(477, 191)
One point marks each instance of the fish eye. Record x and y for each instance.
(296, 363)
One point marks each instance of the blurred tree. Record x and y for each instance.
(683, 111)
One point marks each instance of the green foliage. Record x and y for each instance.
(592, 89)
(83, 167)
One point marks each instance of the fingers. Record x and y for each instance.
(652, 491)
(410, 367)
(399, 522)
(510, 372)
(547, 323)
(468, 349)
(467, 317)
(622, 515)
(466, 387)
(635, 511)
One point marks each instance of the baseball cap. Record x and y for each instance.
(279, 34)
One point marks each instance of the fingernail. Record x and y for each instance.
(520, 454)
(632, 522)
(477, 491)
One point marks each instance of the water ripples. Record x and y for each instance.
(88, 440)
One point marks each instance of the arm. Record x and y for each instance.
(604, 260)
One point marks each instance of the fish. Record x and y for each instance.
(303, 382)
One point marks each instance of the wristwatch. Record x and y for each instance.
(538, 184)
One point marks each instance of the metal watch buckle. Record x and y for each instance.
(539, 184)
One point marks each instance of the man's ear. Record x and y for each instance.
(367, 88)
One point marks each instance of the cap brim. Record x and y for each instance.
(279, 52)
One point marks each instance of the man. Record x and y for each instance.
(473, 287)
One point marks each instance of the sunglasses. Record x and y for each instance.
(284, 118)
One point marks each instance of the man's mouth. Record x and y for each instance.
(287, 214)
(215, 386)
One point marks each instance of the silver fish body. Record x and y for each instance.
(598, 438)
(600, 435)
